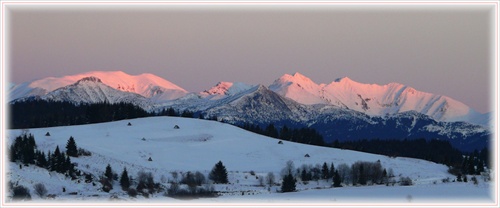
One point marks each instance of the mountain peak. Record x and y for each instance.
(296, 78)
(299, 76)
(343, 79)
(89, 79)
(222, 89)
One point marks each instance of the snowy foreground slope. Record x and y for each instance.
(198, 144)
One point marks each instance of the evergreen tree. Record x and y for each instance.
(109, 173)
(29, 149)
(41, 160)
(284, 133)
(61, 163)
(384, 176)
(470, 166)
(71, 149)
(304, 176)
(465, 163)
(56, 160)
(362, 176)
(480, 167)
(331, 171)
(49, 161)
(68, 166)
(124, 180)
(336, 179)
(271, 131)
(324, 171)
(289, 183)
(218, 173)
(336, 144)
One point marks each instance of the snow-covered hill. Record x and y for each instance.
(198, 144)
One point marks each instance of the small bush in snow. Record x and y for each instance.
(83, 152)
(106, 184)
(261, 181)
(474, 180)
(405, 181)
(173, 189)
(132, 192)
(445, 180)
(146, 182)
(21, 193)
(40, 190)
(270, 179)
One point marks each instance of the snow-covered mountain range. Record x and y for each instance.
(293, 100)
(374, 100)
(371, 99)
(146, 85)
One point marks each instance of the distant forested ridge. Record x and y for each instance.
(40, 113)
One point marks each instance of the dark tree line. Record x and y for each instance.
(41, 113)
(431, 150)
(360, 173)
(174, 113)
(300, 135)
(475, 163)
(36, 113)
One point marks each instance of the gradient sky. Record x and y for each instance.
(444, 50)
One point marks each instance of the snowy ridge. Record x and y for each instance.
(92, 90)
(157, 93)
(299, 88)
(147, 85)
(375, 100)
(258, 104)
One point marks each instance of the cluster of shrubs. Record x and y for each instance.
(144, 184)
(360, 173)
(190, 184)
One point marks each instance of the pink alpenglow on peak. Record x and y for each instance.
(147, 85)
(299, 88)
(223, 89)
(372, 99)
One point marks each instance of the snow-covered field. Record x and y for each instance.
(198, 144)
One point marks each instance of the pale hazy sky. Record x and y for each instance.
(445, 50)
